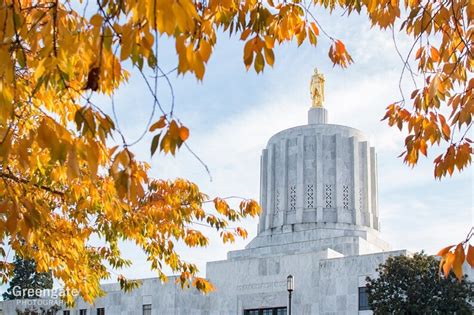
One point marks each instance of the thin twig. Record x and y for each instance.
(200, 161)
(405, 64)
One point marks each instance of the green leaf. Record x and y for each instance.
(154, 143)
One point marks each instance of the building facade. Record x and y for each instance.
(320, 223)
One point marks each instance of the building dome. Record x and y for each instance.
(319, 178)
(318, 173)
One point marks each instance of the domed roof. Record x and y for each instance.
(318, 173)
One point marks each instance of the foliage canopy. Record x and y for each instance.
(413, 285)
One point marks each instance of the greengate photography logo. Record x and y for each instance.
(37, 297)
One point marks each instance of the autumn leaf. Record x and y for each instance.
(96, 20)
(458, 261)
(183, 133)
(445, 250)
(339, 55)
(154, 143)
(259, 62)
(93, 79)
(470, 256)
(435, 54)
(448, 263)
(161, 123)
(315, 28)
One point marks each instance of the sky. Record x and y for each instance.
(232, 113)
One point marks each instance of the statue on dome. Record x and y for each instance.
(317, 89)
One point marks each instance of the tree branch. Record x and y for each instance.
(19, 180)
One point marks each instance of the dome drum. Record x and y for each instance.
(318, 173)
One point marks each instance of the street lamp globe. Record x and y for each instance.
(290, 283)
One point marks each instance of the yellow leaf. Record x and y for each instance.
(269, 56)
(199, 68)
(301, 36)
(39, 69)
(312, 38)
(248, 53)
(127, 42)
(93, 156)
(11, 223)
(72, 164)
(259, 62)
(180, 15)
(205, 50)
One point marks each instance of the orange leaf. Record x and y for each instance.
(418, 52)
(340, 48)
(159, 124)
(269, 42)
(470, 256)
(458, 261)
(423, 147)
(446, 131)
(448, 263)
(183, 133)
(245, 34)
(435, 54)
(315, 28)
(444, 251)
(96, 20)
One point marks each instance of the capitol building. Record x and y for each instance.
(319, 224)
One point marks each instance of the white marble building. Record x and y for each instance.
(320, 223)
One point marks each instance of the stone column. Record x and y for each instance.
(284, 185)
(339, 160)
(270, 166)
(373, 191)
(355, 205)
(366, 187)
(300, 191)
(319, 185)
(263, 190)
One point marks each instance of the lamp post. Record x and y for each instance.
(290, 286)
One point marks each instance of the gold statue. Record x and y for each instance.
(317, 89)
